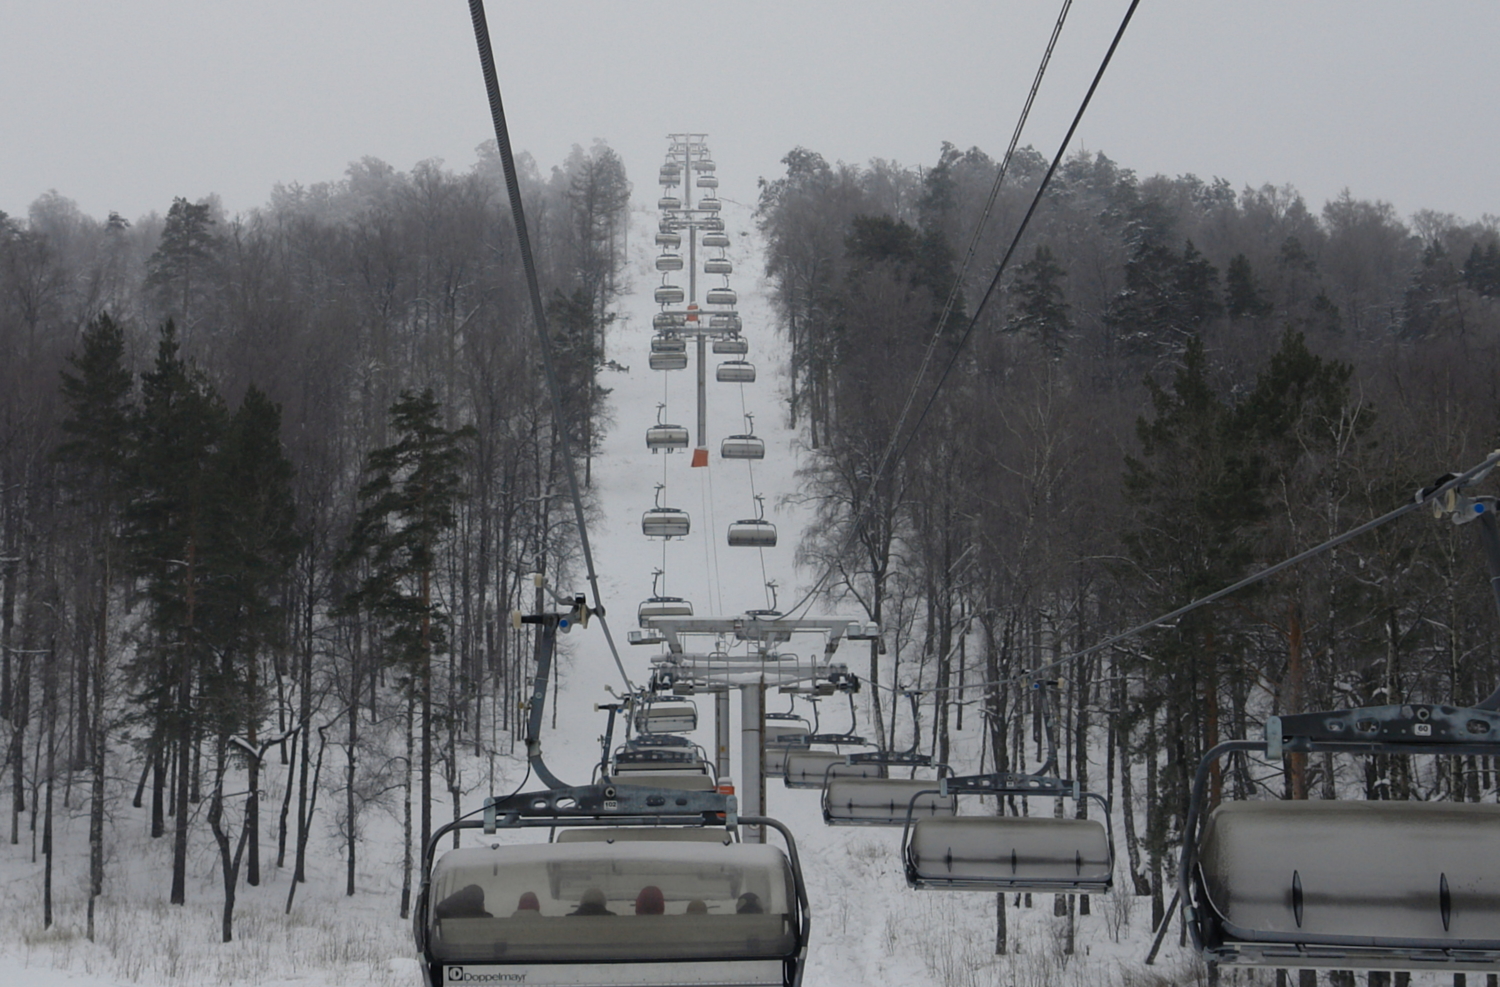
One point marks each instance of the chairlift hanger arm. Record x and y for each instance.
(549, 625)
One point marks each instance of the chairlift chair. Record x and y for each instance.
(664, 437)
(1009, 853)
(667, 361)
(674, 770)
(726, 320)
(816, 768)
(704, 164)
(662, 606)
(666, 714)
(735, 372)
(669, 262)
(572, 899)
(729, 345)
(710, 203)
(719, 296)
(752, 533)
(708, 181)
(882, 801)
(712, 224)
(668, 240)
(718, 265)
(716, 238)
(668, 203)
(659, 891)
(664, 343)
(1343, 884)
(742, 447)
(665, 522)
(669, 294)
(666, 321)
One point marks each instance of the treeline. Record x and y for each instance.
(1176, 384)
(269, 485)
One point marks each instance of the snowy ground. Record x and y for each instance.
(868, 928)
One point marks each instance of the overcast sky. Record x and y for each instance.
(123, 104)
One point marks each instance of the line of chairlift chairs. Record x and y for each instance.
(669, 350)
(1282, 884)
(1340, 884)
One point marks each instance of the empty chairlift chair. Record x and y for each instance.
(709, 203)
(669, 203)
(662, 606)
(752, 533)
(742, 447)
(882, 801)
(1009, 853)
(729, 345)
(667, 361)
(665, 522)
(735, 372)
(1352, 885)
(670, 174)
(682, 770)
(718, 265)
(712, 224)
(708, 181)
(782, 733)
(721, 296)
(668, 240)
(669, 294)
(665, 437)
(669, 262)
(667, 714)
(716, 238)
(816, 768)
(668, 352)
(704, 164)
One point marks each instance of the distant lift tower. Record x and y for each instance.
(691, 152)
(751, 672)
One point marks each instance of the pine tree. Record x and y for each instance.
(250, 548)
(179, 271)
(96, 454)
(1041, 311)
(167, 522)
(408, 507)
(1166, 300)
(1243, 299)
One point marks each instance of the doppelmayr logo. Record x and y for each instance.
(458, 975)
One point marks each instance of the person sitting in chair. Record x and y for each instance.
(749, 904)
(466, 902)
(650, 901)
(528, 906)
(592, 903)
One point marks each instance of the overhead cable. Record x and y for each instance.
(539, 314)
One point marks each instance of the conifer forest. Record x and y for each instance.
(270, 484)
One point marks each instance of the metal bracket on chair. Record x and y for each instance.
(1009, 783)
(1408, 727)
(614, 800)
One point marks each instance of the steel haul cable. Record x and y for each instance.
(887, 458)
(539, 314)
